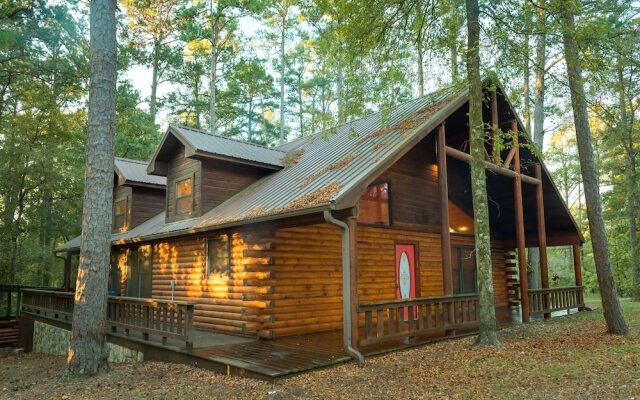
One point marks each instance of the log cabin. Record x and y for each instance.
(366, 229)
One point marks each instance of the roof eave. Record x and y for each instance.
(195, 153)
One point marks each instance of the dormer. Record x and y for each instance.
(137, 196)
(204, 170)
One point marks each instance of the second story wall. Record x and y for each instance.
(223, 179)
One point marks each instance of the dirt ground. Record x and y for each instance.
(565, 358)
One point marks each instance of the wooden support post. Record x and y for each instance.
(445, 237)
(577, 268)
(495, 152)
(352, 222)
(67, 273)
(542, 236)
(520, 238)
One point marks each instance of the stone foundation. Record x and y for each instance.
(50, 339)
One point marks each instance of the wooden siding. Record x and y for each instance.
(413, 180)
(146, 203)
(226, 303)
(180, 167)
(222, 179)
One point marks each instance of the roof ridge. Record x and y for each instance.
(228, 138)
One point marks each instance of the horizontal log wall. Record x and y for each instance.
(306, 286)
(226, 303)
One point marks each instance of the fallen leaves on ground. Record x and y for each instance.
(564, 358)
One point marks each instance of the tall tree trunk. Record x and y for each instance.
(453, 57)
(420, 64)
(538, 119)
(610, 302)
(487, 334)
(45, 237)
(196, 98)
(526, 70)
(339, 89)
(283, 32)
(153, 101)
(87, 351)
(633, 207)
(213, 75)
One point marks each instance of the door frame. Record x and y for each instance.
(416, 246)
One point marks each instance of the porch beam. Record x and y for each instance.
(462, 156)
(542, 234)
(445, 236)
(520, 238)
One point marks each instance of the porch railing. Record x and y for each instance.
(545, 301)
(166, 319)
(398, 319)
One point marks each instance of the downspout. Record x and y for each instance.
(346, 289)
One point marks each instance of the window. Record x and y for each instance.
(120, 215)
(140, 265)
(463, 262)
(374, 205)
(219, 255)
(184, 196)
(114, 275)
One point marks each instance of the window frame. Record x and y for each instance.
(177, 198)
(125, 217)
(459, 269)
(227, 267)
(389, 205)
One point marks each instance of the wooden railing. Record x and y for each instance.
(166, 319)
(545, 301)
(162, 318)
(397, 319)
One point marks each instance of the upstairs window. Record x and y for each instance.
(184, 196)
(120, 214)
(219, 255)
(374, 205)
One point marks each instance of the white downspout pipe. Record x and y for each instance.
(346, 289)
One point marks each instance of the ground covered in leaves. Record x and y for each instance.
(565, 358)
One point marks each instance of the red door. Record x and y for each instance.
(406, 273)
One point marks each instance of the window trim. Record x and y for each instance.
(192, 194)
(208, 268)
(459, 270)
(127, 213)
(389, 204)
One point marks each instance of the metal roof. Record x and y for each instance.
(322, 171)
(136, 171)
(201, 141)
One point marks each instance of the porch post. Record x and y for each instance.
(67, 273)
(352, 222)
(577, 268)
(520, 239)
(445, 238)
(542, 235)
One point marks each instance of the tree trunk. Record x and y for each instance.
(633, 207)
(420, 65)
(87, 351)
(487, 333)
(538, 120)
(526, 70)
(453, 56)
(153, 101)
(283, 32)
(45, 237)
(339, 90)
(213, 76)
(610, 302)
